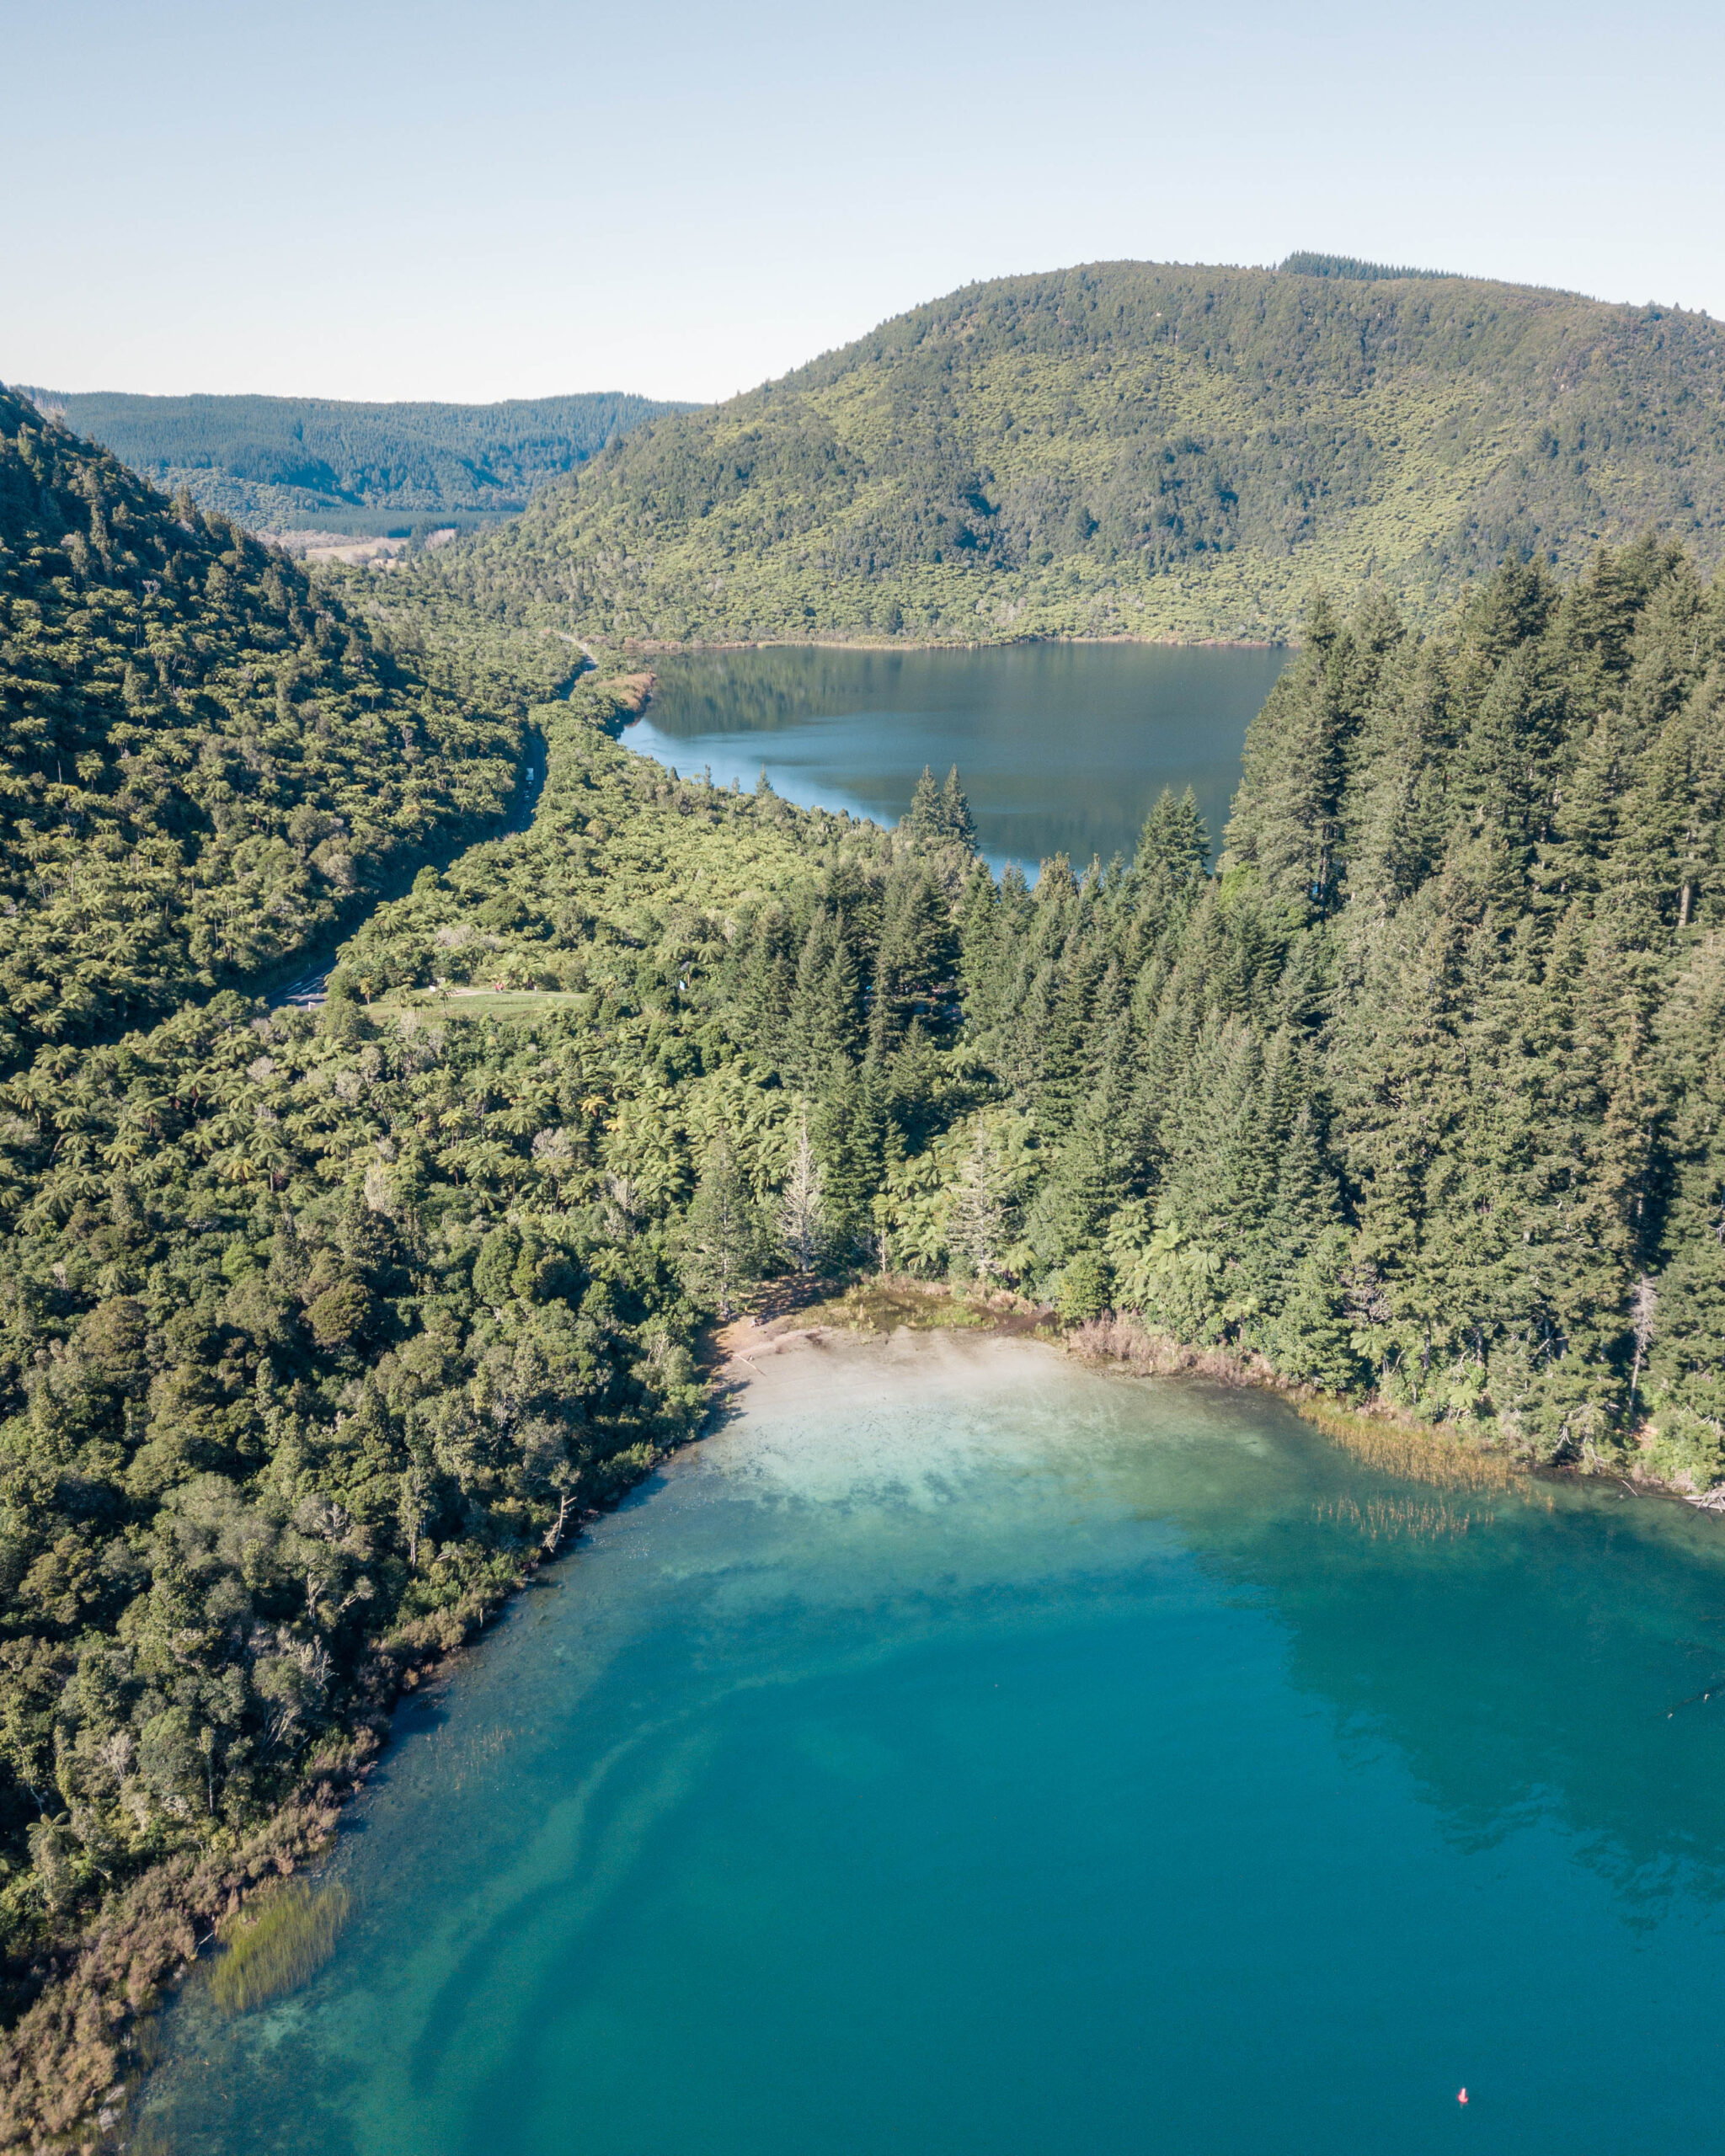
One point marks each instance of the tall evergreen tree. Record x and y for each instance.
(720, 1242)
(957, 825)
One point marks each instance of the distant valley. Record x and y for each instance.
(285, 464)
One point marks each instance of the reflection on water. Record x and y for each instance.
(968, 1750)
(1062, 747)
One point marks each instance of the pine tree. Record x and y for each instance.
(957, 827)
(1098, 1165)
(1686, 1348)
(1403, 806)
(986, 939)
(916, 959)
(1668, 846)
(922, 819)
(823, 1027)
(939, 814)
(1066, 1036)
(1173, 847)
(763, 971)
(1290, 825)
(719, 1244)
(850, 1132)
(979, 1221)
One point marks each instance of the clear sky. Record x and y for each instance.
(443, 199)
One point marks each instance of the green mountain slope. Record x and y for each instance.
(204, 765)
(289, 462)
(1136, 449)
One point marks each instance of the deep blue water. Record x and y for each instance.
(966, 1752)
(1062, 748)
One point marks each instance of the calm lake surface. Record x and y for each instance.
(1062, 748)
(966, 1752)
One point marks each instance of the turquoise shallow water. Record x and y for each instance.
(963, 1751)
(1062, 747)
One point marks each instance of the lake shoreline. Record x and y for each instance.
(929, 1425)
(660, 647)
(168, 1922)
(1121, 1342)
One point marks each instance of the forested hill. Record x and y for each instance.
(288, 463)
(204, 763)
(1141, 449)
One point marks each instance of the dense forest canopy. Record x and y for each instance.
(1137, 449)
(204, 763)
(291, 463)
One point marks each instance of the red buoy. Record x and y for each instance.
(1462, 2097)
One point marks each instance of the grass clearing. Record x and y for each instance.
(504, 1003)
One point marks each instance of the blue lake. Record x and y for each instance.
(964, 1750)
(1062, 747)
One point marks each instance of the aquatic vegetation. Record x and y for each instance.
(321, 1327)
(1428, 1455)
(287, 1941)
(1211, 1763)
(1403, 1519)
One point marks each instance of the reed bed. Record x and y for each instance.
(882, 1306)
(1418, 1454)
(1404, 1519)
(1418, 1451)
(289, 1941)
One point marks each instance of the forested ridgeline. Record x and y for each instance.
(207, 763)
(285, 463)
(1141, 449)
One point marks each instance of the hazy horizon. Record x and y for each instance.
(470, 208)
(624, 388)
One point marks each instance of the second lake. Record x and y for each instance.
(1062, 748)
